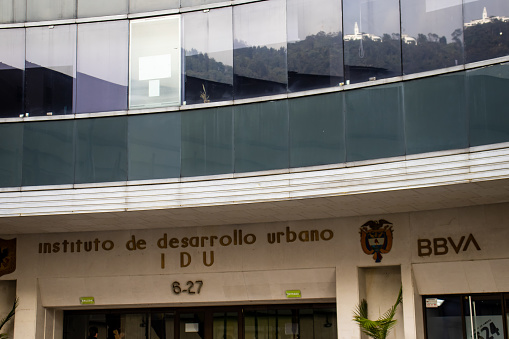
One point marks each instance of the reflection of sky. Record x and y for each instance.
(52, 48)
(261, 23)
(103, 51)
(12, 52)
(415, 19)
(373, 16)
(210, 33)
(304, 20)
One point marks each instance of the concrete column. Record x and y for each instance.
(27, 325)
(412, 305)
(347, 298)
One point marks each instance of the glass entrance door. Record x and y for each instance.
(483, 317)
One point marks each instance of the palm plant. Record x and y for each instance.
(7, 318)
(376, 329)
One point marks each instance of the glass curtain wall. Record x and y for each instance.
(102, 66)
(486, 29)
(50, 76)
(93, 8)
(40, 10)
(315, 49)
(208, 48)
(12, 66)
(372, 39)
(432, 34)
(12, 11)
(259, 44)
(154, 77)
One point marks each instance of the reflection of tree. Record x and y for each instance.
(432, 52)
(202, 66)
(380, 54)
(266, 63)
(486, 41)
(318, 54)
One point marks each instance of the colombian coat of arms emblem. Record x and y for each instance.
(376, 238)
(7, 256)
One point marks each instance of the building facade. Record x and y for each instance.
(253, 169)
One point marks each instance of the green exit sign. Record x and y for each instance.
(293, 294)
(87, 301)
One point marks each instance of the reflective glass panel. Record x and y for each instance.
(317, 130)
(207, 142)
(325, 323)
(188, 3)
(92, 8)
(484, 313)
(261, 136)
(260, 324)
(11, 151)
(192, 325)
(259, 49)
(101, 150)
(487, 104)
(208, 44)
(50, 69)
(48, 153)
(225, 325)
(435, 113)
(372, 39)
(154, 146)
(162, 325)
(154, 78)
(102, 66)
(444, 320)
(40, 10)
(432, 34)
(137, 6)
(12, 11)
(486, 29)
(12, 64)
(315, 58)
(374, 123)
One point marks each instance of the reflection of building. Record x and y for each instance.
(408, 39)
(486, 19)
(262, 215)
(357, 35)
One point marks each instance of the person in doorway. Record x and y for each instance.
(92, 332)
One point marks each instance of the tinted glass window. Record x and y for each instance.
(11, 150)
(155, 62)
(154, 146)
(91, 8)
(208, 44)
(187, 3)
(102, 66)
(50, 69)
(136, 6)
(317, 130)
(12, 64)
(315, 58)
(40, 10)
(486, 29)
(48, 153)
(439, 123)
(432, 34)
(261, 136)
(372, 39)
(443, 317)
(259, 49)
(487, 104)
(374, 120)
(485, 314)
(101, 150)
(12, 11)
(207, 142)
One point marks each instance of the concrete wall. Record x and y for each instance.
(138, 268)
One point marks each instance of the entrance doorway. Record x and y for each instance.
(309, 321)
